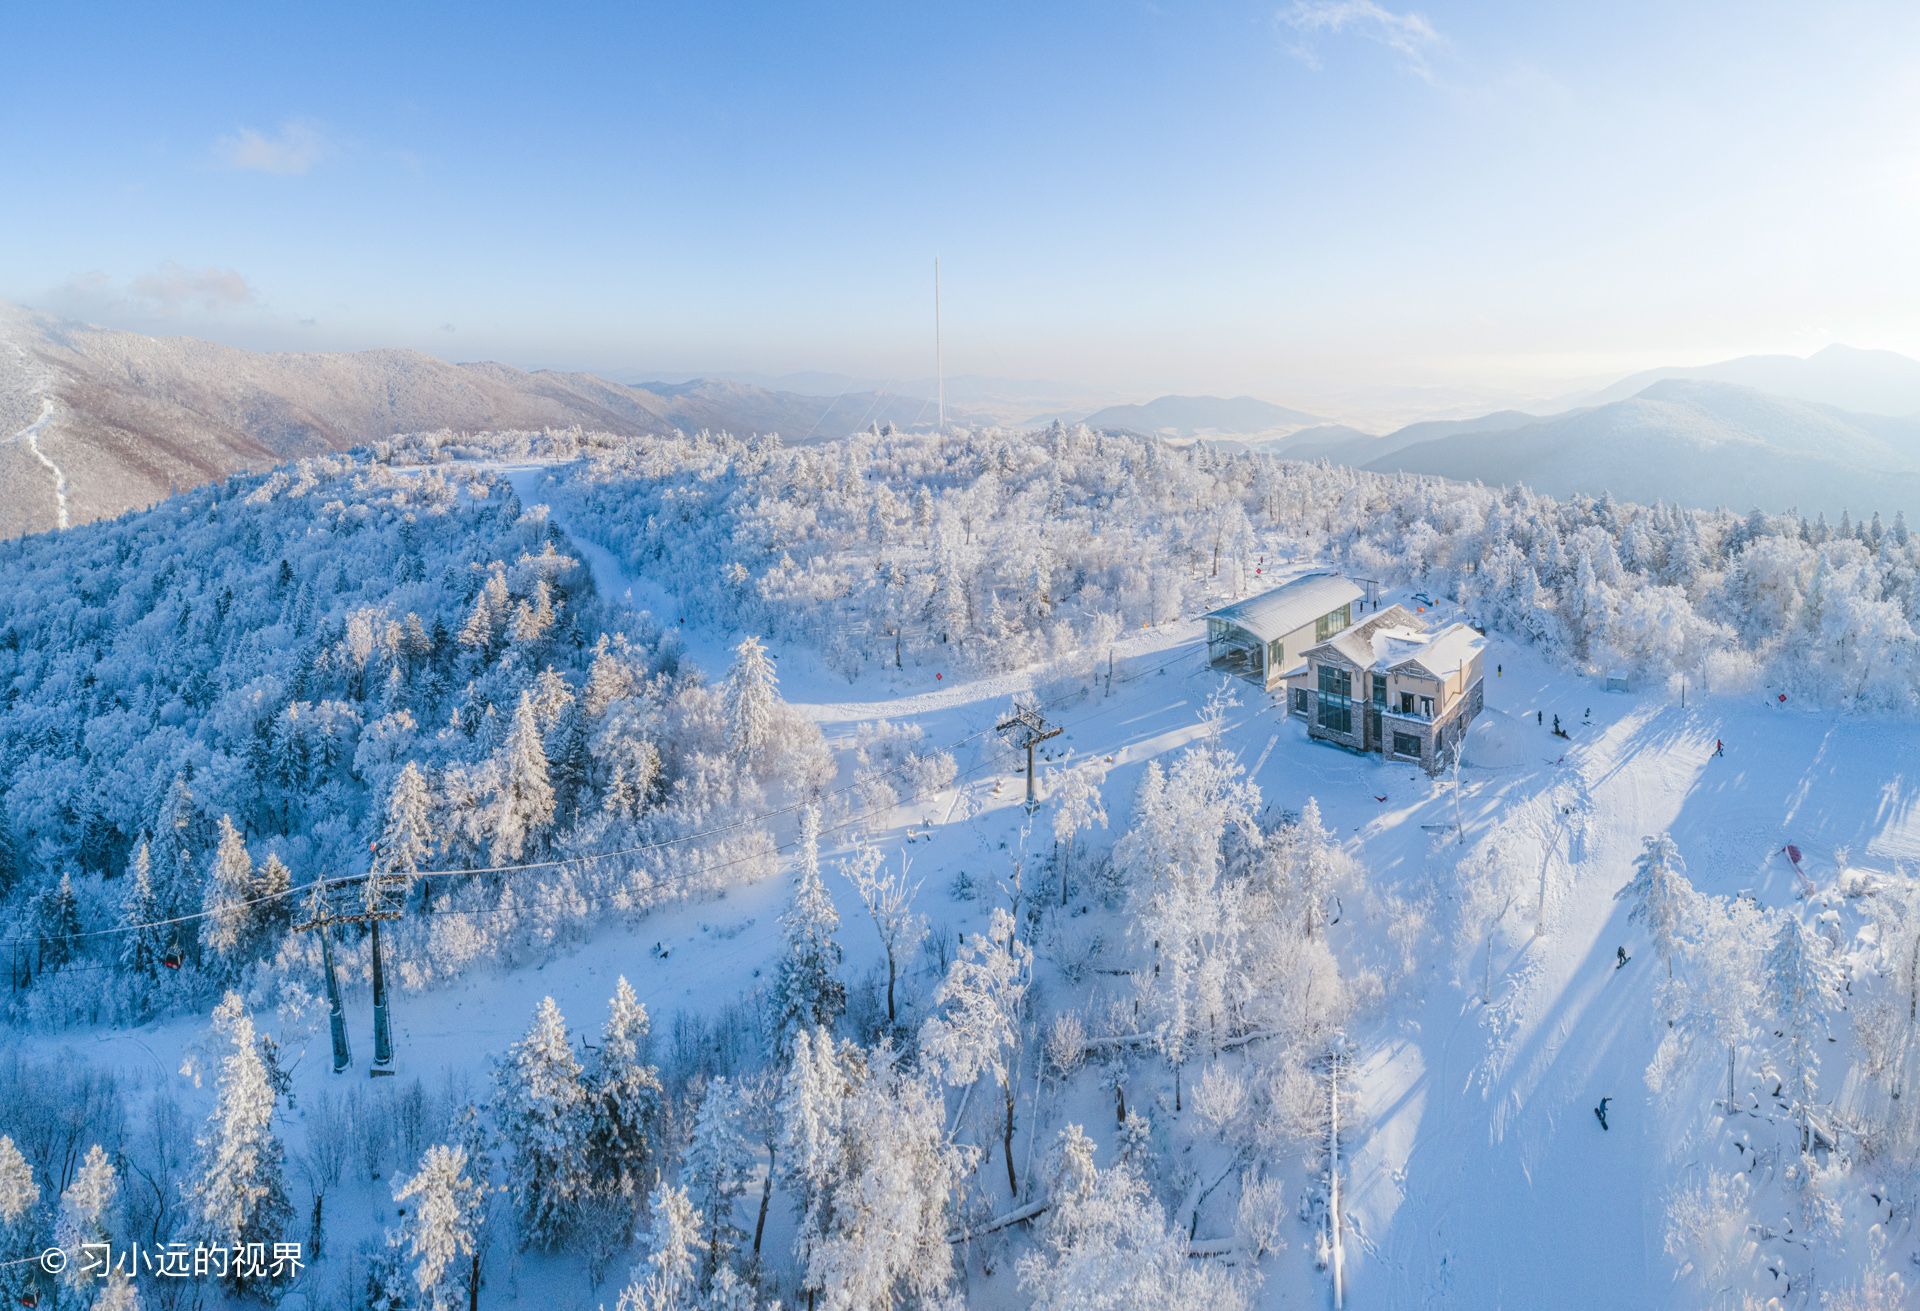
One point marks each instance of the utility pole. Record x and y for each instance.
(1033, 729)
(370, 900)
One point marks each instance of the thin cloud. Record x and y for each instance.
(1409, 35)
(294, 149)
(172, 287)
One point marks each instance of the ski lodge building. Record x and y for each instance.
(1260, 637)
(1388, 685)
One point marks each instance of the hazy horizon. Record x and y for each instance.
(1296, 201)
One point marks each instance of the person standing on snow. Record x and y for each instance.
(1600, 1111)
(1719, 747)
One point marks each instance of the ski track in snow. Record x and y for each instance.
(29, 437)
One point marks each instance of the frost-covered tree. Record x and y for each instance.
(143, 941)
(623, 1093)
(1078, 806)
(716, 1168)
(1660, 898)
(1803, 985)
(87, 1218)
(236, 1193)
(669, 1278)
(523, 805)
(229, 931)
(19, 1224)
(976, 1030)
(1721, 998)
(888, 895)
(544, 1116)
(806, 991)
(443, 1208)
(406, 841)
(1104, 1243)
(752, 702)
(874, 1232)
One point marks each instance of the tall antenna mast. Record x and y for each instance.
(939, 360)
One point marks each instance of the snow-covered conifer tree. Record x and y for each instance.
(543, 1115)
(19, 1224)
(237, 1191)
(752, 701)
(715, 1170)
(806, 991)
(406, 840)
(443, 1211)
(143, 942)
(230, 916)
(86, 1209)
(669, 1278)
(523, 806)
(623, 1098)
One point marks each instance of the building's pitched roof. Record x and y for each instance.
(1290, 606)
(1363, 644)
(1446, 652)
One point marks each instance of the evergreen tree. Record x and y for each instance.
(624, 1095)
(571, 761)
(718, 1161)
(85, 1209)
(752, 698)
(230, 890)
(807, 991)
(523, 807)
(443, 1211)
(143, 943)
(543, 1115)
(668, 1280)
(19, 1226)
(237, 1192)
(405, 845)
(57, 923)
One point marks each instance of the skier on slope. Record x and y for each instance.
(1600, 1111)
(1620, 957)
(1719, 747)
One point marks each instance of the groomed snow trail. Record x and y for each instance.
(29, 437)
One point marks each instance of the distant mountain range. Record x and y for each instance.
(1866, 381)
(1697, 443)
(94, 422)
(1201, 416)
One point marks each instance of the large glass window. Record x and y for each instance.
(1336, 716)
(1406, 744)
(1335, 681)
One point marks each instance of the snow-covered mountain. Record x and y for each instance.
(1197, 416)
(94, 422)
(1872, 381)
(1696, 443)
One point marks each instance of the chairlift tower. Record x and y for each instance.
(370, 899)
(1033, 729)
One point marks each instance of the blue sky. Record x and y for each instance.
(1206, 196)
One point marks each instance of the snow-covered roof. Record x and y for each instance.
(1355, 643)
(1445, 653)
(1290, 606)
